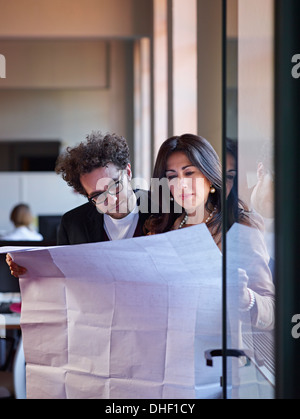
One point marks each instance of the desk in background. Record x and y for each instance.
(12, 321)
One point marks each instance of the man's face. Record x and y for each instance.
(110, 190)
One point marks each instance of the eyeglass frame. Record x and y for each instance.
(105, 193)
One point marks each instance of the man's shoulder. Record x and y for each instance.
(83, 210)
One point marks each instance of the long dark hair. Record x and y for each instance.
(203, 156)
(232, 198)
(237, 210)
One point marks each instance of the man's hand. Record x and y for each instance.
(15, 270)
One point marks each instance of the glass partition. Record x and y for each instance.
(249, 243)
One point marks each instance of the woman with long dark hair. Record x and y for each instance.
(193, 172)
(202, 162)
(194, 178)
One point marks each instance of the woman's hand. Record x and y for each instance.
(15, 270)
(244, 296)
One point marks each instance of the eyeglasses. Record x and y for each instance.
(113, 190)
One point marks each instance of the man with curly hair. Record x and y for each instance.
(99, 169)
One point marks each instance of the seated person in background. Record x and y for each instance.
(194, 177)
(22, 219)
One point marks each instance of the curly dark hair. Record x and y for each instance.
(97, 151)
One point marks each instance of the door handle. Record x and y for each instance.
(236, 353)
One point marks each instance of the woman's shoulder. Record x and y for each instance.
(251, 218)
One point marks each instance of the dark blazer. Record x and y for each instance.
(85, 224)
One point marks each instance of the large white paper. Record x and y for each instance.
(123, 319)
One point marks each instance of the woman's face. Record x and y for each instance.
(231, 172)
(189, 187)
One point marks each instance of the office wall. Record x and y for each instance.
(55, 111)
(75, 18)
(209, 106)
(56, 64)
(68, 114)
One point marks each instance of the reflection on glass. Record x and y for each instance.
(262, 195)
(250, 200)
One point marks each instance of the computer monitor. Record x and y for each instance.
(48, 226)
(8, 283)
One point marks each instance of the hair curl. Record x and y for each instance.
(97, 151)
